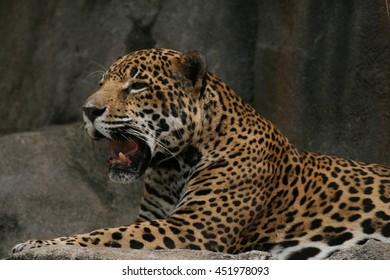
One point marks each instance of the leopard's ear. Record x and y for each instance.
(191, 69)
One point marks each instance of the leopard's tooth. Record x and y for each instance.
(122, 158)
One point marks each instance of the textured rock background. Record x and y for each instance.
(318, 69)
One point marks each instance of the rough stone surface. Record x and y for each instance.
(372, 250)
(79, 253)
(321, 71)
(54, 183)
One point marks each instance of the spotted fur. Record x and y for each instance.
(220, 176)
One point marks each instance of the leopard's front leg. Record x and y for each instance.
(173, 232)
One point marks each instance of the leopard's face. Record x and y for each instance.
(147, 103)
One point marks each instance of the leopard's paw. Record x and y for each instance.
(26, 246)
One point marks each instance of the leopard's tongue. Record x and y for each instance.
(121, 152)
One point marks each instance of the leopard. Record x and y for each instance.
(217, 175)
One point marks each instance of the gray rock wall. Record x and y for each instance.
(318, 69)
(322, 73)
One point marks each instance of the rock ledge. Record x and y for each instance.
(372, 250)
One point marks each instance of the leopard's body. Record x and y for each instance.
(218, 176)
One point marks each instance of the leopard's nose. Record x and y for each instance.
(92, 112)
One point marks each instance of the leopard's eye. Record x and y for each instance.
(137, 87)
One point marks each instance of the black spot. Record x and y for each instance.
(367, 226)
(229, 140)
(368, 180)
(340, 239)
(183, 117)
(382, 215)
(117, 236)
(327, 209)
(362, 241)
(160, 95)
(310, 204)
(382, 191)
(315, 224)
(163, 125)
(208, 235)
(352, 190)
(297, 169)
(147, 111)
(174, 110)
(148, 237)
(386, 230)
(211, 246)
(178, 133)
(134, 244)
(352, 208)
(303, 200)
(237, 203)
(354, 198)
(317, 237)
(285, 179)
(368, 190)
(294, 227)
(333, 185)
(286, 244)
(175, 230)
(96, 241)
(82, 244)
(147, 230)
(193, 247)
(368, 205)
(337, 217)
(324, 177)
(169, 243)
(304, 254)
(334, 229)
(133, 70)
(112, 244)
(199, 225)
(190, 237)
(337, 196)
(203, 192)
(194, 217)
(155, 117)
(354, 217)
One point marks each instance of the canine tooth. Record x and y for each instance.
(122, 158)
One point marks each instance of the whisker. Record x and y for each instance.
(98, 64)
(100, 73)
(145, 137)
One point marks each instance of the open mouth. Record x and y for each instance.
(129, 158)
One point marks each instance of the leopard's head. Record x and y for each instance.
(147, 103)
